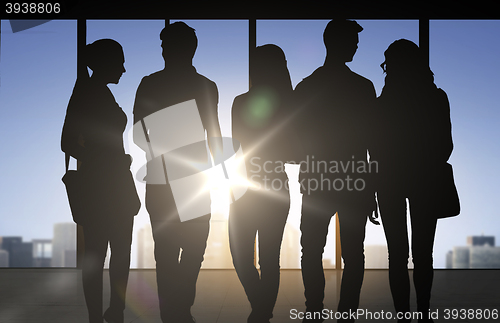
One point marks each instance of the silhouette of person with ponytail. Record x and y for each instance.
(93, 134)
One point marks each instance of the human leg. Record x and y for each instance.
(242, 233)
(271, 227)
(166, 236)
(352, 234)
(96, 245)
(423, 233)
(393, 213)
(193, 237)
(120, 242)
(314, 228)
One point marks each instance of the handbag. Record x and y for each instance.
(93, 196)
(74, 183)
(444, 201)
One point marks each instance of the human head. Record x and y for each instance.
(268, 67)
(403, 58)
(179, 42)
(341, 39)
(106, 60)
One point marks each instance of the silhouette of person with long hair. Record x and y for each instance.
(258, 123)
(179, 246)
(414, 141)
(334, 107)
(93, 134)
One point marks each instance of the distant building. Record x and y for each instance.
(7, 243)
(449, 259)
(4, 258)
(64, 243)
(376, 256)
(461, 257)
(484, 257)
(20, 253)
(217, 253)
(42, 252)
(328, 264)
(480, 252)
(477, 241)
(145, 248)
(290, 248)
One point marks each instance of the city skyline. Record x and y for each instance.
(60, 251)
(480, 253)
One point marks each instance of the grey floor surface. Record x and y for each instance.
(55, 295)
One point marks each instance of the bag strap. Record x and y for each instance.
(67, 161)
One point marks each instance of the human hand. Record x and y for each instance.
(374, 215)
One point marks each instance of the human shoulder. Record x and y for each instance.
(362, 82)
(206, 82)
(441, 94)
(361, 78)
(314, 77)
(240, 100)
(153, 78)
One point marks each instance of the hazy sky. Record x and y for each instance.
(38, 71)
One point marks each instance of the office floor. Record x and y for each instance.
(55, 295)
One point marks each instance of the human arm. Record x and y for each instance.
(211, 124)
(444, 145)
(140, 112)
(373, 138)
(72, 139)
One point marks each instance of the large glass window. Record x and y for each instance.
(37, 74)
(464, 59)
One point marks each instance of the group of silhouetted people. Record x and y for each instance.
(333, 115)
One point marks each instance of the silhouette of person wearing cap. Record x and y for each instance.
(179, 246)
(258, 123)
(413, 144)
(334, 107)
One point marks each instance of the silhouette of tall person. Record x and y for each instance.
(414, 143)
(334, 107)
(93, 134)
(176, 271)
(258, 123)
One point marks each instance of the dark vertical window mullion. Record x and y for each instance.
(252, 43)
(423, 37)
(81, 32)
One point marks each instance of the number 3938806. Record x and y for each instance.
(32, 7)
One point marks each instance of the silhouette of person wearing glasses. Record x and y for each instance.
(258, 123)
(413, 142)
(93, 134)
(179, 246)
(334, 108)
